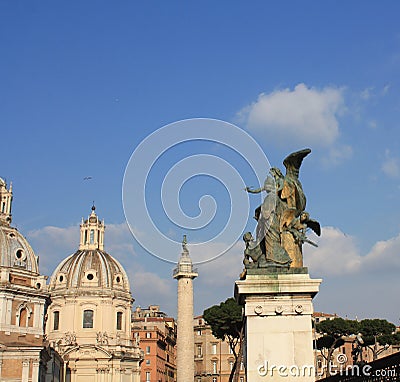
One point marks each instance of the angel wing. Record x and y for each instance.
(293, 162)
(314, 225)
(292, 190)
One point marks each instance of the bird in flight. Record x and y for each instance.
(87, 178)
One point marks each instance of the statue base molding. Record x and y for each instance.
(278, 335)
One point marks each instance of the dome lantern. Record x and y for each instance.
(5, 203)
(92, 233)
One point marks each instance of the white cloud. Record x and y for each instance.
(225, 269)
(384, 255)
(118, 241)
(391, 165)
(386, 89)
(371, 92)
(151, 289)
(366, 94)
(53, 244)
(336, 254)
(302, 116)
(338, 154)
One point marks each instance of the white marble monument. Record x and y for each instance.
(278, 309)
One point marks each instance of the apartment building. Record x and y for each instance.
(155, 333)
(213, 358)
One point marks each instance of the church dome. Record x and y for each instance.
(90, 268)
(15, 251)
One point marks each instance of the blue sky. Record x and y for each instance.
(83, 83)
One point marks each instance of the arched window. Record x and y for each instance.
(88, 318)
(119, 320)
(56, 320)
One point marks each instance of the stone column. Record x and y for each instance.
(185, 336)
(185, 274)
(25, 370)
(35, 370)
(278, 309)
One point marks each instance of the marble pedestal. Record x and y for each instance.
(278, 336)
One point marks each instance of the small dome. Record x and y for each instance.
(90, 269)
(15, 251)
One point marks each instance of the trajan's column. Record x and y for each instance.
(185, 274)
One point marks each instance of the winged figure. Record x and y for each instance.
(282, 221)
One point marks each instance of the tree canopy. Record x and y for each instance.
(377, 330)
(374, 332)
(226, 321)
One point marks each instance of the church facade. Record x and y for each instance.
(23, 302)
(76, 328)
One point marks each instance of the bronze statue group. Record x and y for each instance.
(282, 221)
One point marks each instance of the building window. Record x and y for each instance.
(119, 320)
(230, 365)
(199, 332)
(241, 379)
(56, 320)
(88, 318)
(214, 379)
(199, 351)
(22, 317)
(147, 376)
(147, 362)
(148, 335)
(214, 365)
(213, 348)
(19, 254)
(147, 349)
(230, 350)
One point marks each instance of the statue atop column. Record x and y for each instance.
(281, 219)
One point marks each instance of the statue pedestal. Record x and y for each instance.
(278, 335)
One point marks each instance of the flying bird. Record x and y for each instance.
(87, 178)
